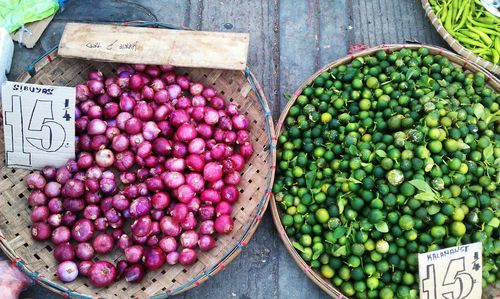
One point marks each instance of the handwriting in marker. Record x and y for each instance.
(110, 46)
(129, 46)
(93, 45)
(66, 115)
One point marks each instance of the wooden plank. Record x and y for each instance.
(388, 21)
(299, 45)
(300, 57)
(333, 28)
(260, 19)
(155, 46)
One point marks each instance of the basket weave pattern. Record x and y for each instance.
(494, 68)
(315, 276)
(36, 259)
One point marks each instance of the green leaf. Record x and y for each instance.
(339, 232)
(298, 246)
(488, 152)
(410, 73)
(341, 251)
(478, 110)
(316, 190)
(341, 202)
(340, 180)
(425, 196)
(495, 222)
(310, 179)
(287, 96)
(433, 209)
(381, 153)
(442, 82)
(421, 185)
(476, 188)
(316, 254)
(497, 162)
(351, 179)
(382, 227)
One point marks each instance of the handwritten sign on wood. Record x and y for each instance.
(155, 46)
(39, 124)
(451, 273)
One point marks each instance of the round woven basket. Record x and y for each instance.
(315, 276)
(494, 68)
(35, 258)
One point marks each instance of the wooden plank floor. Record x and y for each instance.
(289, 40)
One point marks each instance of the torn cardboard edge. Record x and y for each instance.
(31, 32)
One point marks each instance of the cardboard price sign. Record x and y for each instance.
(451, 273)
(39, 124)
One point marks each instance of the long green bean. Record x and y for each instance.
(471, 25)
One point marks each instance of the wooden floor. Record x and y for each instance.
(289, 40)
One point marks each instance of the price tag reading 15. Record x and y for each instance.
(39, 124)
(451, 273)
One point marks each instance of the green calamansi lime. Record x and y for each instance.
(434, 134)
(369, 245)
(372, 283)
(327, 271)
(435, 146)
(375, 216)
(382, 246)
(348, 289)
(407, 189)
(353, 261)
(344, 273)
(395, 177)
(386, 293)
(322, 215)
(451, 145)
(370, 269)
(438, 232)
(406, 222)
(458, 214)
(357, 249)
(457, 229)
(326, 117)
(298, 172)
(372, 83)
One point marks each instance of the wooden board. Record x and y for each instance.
(125, 44)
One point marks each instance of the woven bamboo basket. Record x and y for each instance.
(315, 276)
(36, 259)
(494, 68)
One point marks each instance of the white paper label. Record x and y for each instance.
(451, 273)
(39, 124)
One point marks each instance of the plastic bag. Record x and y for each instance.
(12, 281)
(16, 13)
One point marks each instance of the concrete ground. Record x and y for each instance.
(289, 40)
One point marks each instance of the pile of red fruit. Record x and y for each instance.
(158, 164)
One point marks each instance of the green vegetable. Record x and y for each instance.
(469, 23)
(402, 157)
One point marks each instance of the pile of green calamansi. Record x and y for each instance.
(391, 155)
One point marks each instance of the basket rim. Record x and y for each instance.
(456, 45)
(249, 228)
(455, 58)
